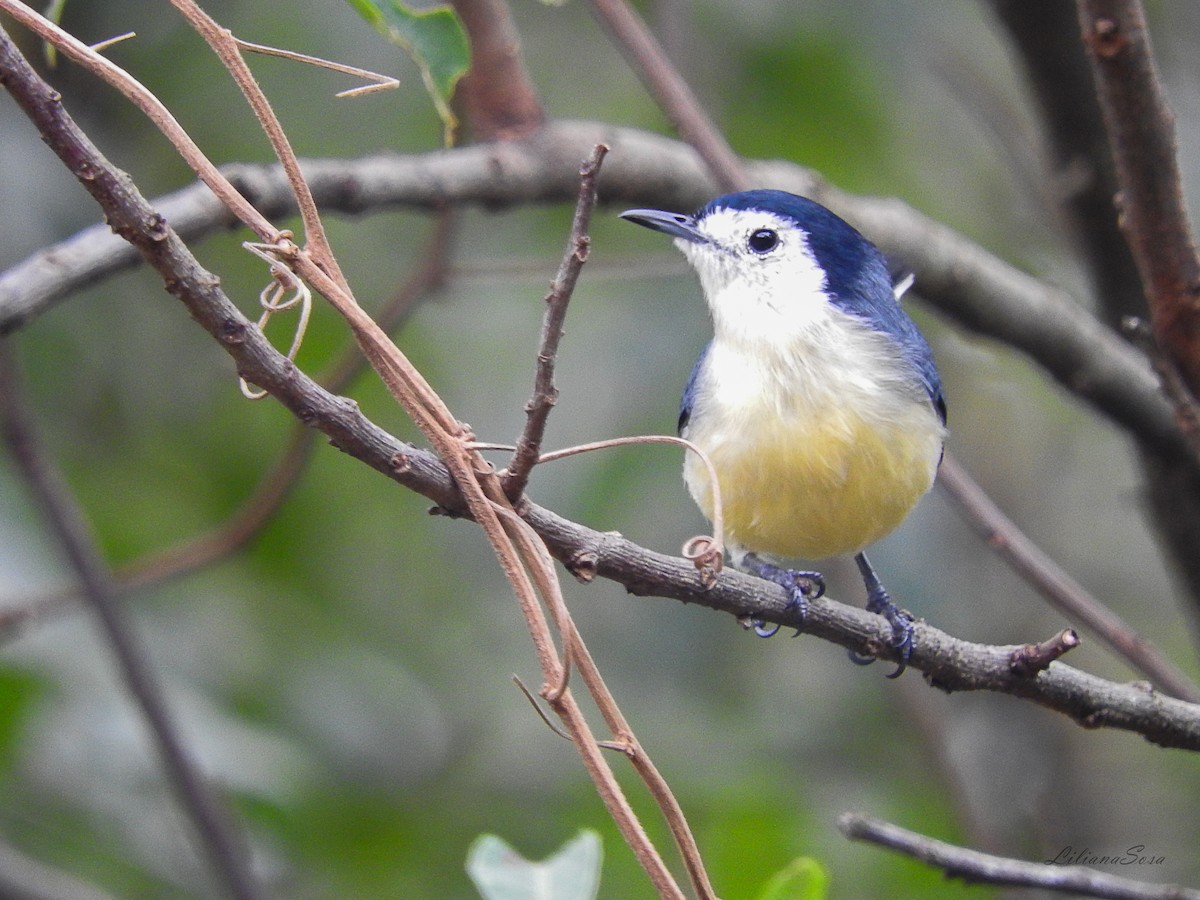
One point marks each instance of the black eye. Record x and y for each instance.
(764, 240)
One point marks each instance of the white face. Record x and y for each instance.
(759, 276)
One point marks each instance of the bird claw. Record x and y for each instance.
(801, 587)
(901, 621)
(902, 642)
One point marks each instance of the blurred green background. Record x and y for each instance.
(348, 675)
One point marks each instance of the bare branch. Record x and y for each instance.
(1141, 132)
(545, 394)
(949, 663)
(975, 867)
(376, 81)
(1083, 189)
(1082, 185)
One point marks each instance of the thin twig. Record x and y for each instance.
(545, 393)
(1062, 591)
(708, 559)
(221, 843)
(564, 704)
(378, 82)
(226, 47)
(1030, 659)
(975, 867)
(647, 57)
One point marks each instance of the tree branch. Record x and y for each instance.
(498, 99)
(949, 663)
(1083, 188)
(218, 838)
(975, 867)
(1141, 132)
(545, 394)
(963, 280)
(1064, 592)
(671, 91)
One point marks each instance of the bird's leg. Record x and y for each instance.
(801, 587)
(881, 604)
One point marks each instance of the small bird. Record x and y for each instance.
(817, 399)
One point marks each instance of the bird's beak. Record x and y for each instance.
(674, 224)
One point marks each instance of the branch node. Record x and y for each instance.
(1108, 39)
(1028, 660)
(584, 565)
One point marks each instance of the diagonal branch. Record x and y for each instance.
(1063, 591)
(218, 838)
(647, 57)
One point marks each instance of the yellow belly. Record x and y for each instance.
(815, 489)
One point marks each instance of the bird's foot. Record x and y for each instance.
(801, 587)
(881, 604)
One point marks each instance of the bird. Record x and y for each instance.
(817, 400)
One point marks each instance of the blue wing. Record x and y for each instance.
(689, 390)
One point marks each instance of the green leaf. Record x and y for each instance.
(802, 879)
(500, 873)
(436, 41)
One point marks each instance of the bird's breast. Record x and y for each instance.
(819, 450)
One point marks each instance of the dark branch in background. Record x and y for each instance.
(1063, 591)
(217, 836)
(949, 663)
(496, 96)
(1142, 140)
(648, 59)
(1083, 183)
(545, 394)
(1141, 131)
(974, 867)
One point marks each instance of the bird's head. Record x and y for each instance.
(772, 264)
